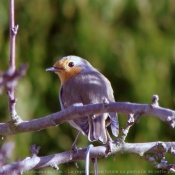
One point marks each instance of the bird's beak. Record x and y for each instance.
(53, 69)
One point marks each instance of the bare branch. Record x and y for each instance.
(13, 31)
(73, 112)
(125, 130)
(6, 152)
(34, 150)
(140, 149)
(12, 68)
(9, 79)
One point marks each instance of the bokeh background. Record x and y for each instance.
(132, 42)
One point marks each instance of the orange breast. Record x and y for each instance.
(66, 74)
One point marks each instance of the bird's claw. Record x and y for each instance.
(74, 148)
(109, 146)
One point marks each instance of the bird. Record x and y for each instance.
(81, 83)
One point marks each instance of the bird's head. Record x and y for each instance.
(68, 67)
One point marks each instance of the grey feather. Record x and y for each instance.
(90, 87)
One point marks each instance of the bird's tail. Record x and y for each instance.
(97, 128)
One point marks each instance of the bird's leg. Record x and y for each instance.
(74, 147)
(109, 143)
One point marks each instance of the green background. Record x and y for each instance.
(132, 42)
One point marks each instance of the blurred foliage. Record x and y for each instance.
(132, 42)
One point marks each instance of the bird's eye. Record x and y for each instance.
(71, 64)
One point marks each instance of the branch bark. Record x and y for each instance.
(8, 79)
(118, 146)
(73, 112)
(13, 31)
(140, 149)
(11, 89)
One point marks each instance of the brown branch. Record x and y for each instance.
(140, 149)
(73, 112)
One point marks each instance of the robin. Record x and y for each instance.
(81, 83)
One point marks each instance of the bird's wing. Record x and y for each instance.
(95, 89)
(70, 96)
(114, 123)
(90, 88)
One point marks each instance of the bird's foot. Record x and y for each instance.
(74, 148)
(109, 146)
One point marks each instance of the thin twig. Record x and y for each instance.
(7, 79)
(13, 31)
(129, 123)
